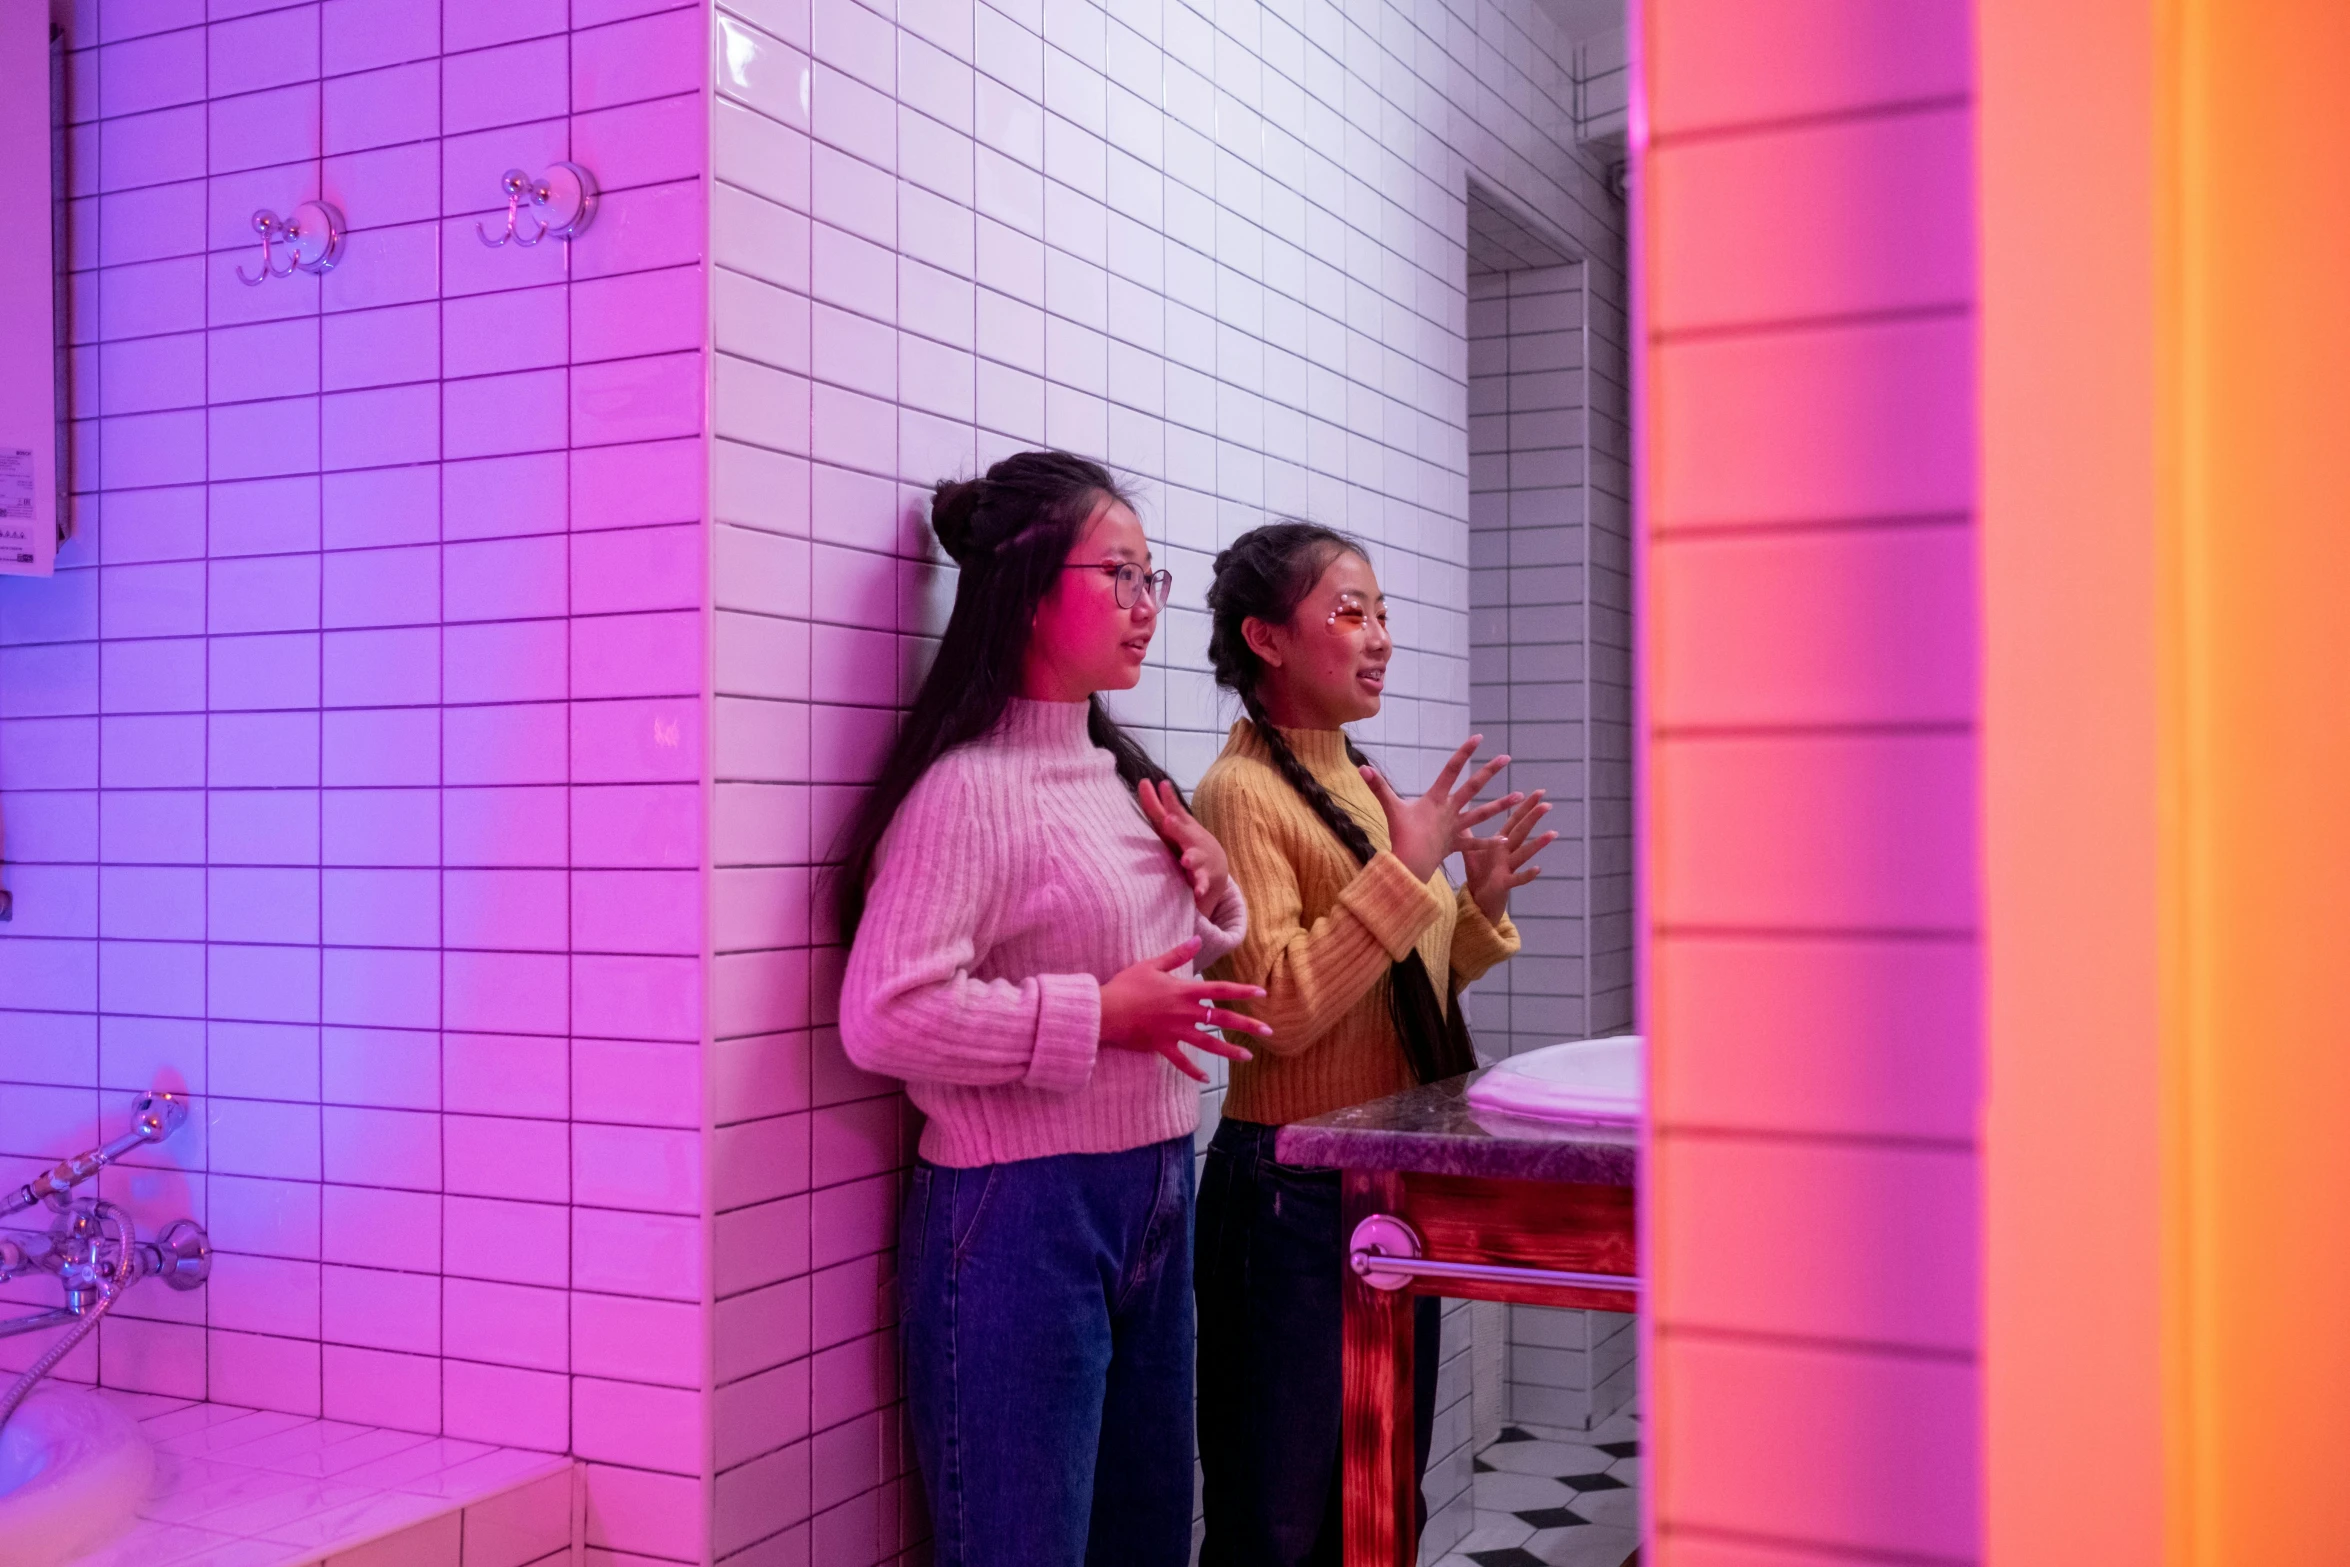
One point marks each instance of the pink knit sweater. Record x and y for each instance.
(1016, 877)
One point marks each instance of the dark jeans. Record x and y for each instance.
(1046, 1312)
(1270, 1380)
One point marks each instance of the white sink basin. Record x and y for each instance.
(1582, 1080)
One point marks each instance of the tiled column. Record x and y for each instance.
(1811, 652)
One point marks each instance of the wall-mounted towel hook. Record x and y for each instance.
(516, 185)
(265, 224)
(312, 235)
(562, 203)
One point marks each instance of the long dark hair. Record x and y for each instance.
(1010, 532)
(1265, 575)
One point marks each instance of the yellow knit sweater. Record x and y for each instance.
(1323, 931)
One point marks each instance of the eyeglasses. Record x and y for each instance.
(1352, 614)
(1131, 580)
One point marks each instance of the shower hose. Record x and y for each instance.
(82, 1329)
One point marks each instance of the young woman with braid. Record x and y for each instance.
(1361, 946)
(1024, 896)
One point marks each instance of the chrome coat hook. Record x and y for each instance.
(562, 203)
(312, 235)
(265, 224)
(516, 185)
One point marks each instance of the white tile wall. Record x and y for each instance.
(1603, 92)
(1550, 631)
(1221, 246)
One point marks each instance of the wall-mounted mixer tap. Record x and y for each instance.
(92, 1246)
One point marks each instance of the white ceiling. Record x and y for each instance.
(1579, 19)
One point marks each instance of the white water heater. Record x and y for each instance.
(29, 489)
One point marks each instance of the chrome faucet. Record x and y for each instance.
(92, 1245)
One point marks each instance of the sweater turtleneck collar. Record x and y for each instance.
(1046, 726)
(1322, 750)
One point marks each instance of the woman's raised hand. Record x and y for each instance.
(1196, 848)
(1499, 865)
(1423, 830)
(1147, 1006)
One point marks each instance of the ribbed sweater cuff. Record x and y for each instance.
(1068, 1032)
(1394, 905)
(1479, 943)
(1222, 930)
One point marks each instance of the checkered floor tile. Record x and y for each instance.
(1556, 1499)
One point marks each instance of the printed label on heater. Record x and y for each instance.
(16, 485)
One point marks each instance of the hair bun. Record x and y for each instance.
(954, 516)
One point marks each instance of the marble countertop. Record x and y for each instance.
(1433, 1129)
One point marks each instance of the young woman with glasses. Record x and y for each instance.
(1360, 946)
(1026, 902)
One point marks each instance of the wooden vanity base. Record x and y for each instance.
(1460, 1218)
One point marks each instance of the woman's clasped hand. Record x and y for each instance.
(1149, 1006)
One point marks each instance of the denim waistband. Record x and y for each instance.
(1236, 1136)
(1082, 1164)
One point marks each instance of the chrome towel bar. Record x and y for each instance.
(1385, 1254)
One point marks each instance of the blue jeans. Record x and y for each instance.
(1045, 1308)
(1271, 1376)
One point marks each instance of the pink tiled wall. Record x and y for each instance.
(352, 763)
(1812, 741)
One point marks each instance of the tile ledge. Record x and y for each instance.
(498, 1470)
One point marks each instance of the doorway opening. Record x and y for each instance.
(1554, 1425)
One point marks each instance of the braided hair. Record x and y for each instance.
(1265, 574)
(1009, 532)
